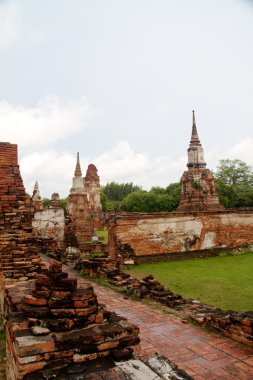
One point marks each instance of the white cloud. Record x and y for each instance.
(243, 150)
(43, 124)
(123, 164)
(53, 170)
(10, 24)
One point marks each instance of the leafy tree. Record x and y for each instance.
(117, 191)
(46, 202)
(234, 183)
(234, 172)
(156, 200)
(107, 205)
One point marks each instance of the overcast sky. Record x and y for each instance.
(117, 80)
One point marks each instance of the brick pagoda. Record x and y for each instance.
(197, 183)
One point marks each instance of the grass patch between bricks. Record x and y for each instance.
(224, 281)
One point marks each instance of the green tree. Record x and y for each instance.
(234, 183)
(117, 191)
(234, 172)
(156, 200)
(46, 202)
(107, 205)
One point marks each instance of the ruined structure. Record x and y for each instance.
(84, 205)
(18, 252)
(161, 236)
(36, 198)
(198, 189)
(92, 189)
(48, 226)
(54, 324)
(200, 223)
(77, 207)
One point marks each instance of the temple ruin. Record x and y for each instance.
(51, 322)
(197, 184)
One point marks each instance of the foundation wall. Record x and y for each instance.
(162, 234)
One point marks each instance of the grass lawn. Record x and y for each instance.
(224, 281)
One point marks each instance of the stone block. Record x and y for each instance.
(31, 345)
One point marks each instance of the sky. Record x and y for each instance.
(117, 80)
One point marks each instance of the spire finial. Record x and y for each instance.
(193, 118)
(194, 136)
(78, 172)
(36, 186)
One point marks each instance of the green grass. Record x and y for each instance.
(224, 281)
(103, 234)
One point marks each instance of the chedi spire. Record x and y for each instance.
(78, 186)
(194, 137)
(195, 150)
(78, 171)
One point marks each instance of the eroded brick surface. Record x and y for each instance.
(52, 323)
(18, 252)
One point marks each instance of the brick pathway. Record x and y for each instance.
(202, 354)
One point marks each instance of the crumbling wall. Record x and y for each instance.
(158, 234)
(49, 226)
(18, 252)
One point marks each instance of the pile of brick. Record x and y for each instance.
(237, 325)
(18, 252)
(53, 324)
(100, 267)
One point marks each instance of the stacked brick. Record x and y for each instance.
(18, 254)
(237, 325)
(56, 325)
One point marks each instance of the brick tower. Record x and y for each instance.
(92, 188)
(18, 253)
(77, 207)
(197, 183)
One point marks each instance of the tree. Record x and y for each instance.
(234, 172)
(107, 205)
(155, 200)
(117, 191)
(234, 183)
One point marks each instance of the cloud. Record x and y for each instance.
(43, 124)
(10, 24)
(243, 150)
(123, 164)
(53, 170)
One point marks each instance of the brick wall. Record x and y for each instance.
(18, 253)
(146, 235)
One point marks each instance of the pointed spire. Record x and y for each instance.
(195, 150)
(36, 186)
(36, 190)
(78, 172)
(194, 137)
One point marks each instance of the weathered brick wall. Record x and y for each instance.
(157, 234)
(49, 225)
(18, 254)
